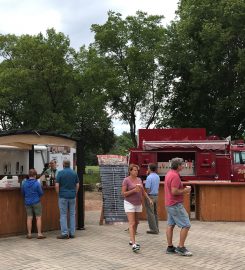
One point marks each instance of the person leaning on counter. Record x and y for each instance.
(66, 186)
(32, 192)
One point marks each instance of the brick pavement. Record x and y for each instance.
(216, 245)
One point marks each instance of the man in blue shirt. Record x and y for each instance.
(67, 185)
(152, 187)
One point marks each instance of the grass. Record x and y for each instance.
(95, 169)
(92, 175)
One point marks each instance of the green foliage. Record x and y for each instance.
(190, 74)
(94, 169)
(35, 79)
(92, 122)
(92, 175)
(91, 178)
(129, 51)
(44, 84)
(122, 144)
(204, 66)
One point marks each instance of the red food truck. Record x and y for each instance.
(205, 157)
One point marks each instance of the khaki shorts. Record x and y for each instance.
(34, 209)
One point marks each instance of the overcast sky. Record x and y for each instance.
(74, 18)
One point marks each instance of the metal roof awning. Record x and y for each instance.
(202, 145)
(25, 139)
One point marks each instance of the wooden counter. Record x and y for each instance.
(161, 204)
(219, 201)
(13, 213)
(213, 201)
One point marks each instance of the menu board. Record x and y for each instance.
(111, 180)
(112, 160)
(188, 168)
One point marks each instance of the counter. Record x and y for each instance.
(209, 201)
(219, 201)
(13, 213)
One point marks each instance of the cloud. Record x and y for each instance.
(26, 17)
(153, 7)
(74, 18)
(120, 127)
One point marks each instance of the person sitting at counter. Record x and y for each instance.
(32, 192)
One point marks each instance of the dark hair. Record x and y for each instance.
(53, 161)
(46, 165)
(152, 167)
(32, 173)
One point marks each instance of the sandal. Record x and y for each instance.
(29, 236)
(41, 237)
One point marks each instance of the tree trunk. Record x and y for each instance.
(80, 195)
(133, 130)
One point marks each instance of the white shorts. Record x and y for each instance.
(129, 207)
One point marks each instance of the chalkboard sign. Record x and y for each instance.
(112, 160)
(111, 180)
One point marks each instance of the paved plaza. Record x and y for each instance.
(215, 245)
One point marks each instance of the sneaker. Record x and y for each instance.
(152, 232)
(183, 251)
(65, 236)
(131, 243)
(135, 248)
(171, 250)
(71, 236)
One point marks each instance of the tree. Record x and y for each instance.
(36, 82)
(46, 85)
(122, 144)
(129, 50)
(204, 64)
(92, 123)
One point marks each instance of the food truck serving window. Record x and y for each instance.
(239, 157)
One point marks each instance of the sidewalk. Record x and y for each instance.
(214, 245)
